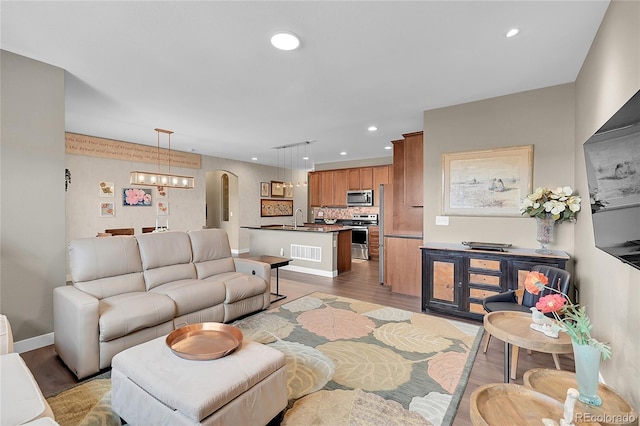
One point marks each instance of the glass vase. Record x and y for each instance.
(544, 232)
(587, 360)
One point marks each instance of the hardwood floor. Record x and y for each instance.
(360, 283)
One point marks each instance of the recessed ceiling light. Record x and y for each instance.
(254, 158)
(285, 41)
(305, 158)
(343, 153)
(512, 32)
(372, 128)
(388, 147)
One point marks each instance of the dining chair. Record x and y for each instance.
(119, 231)
(521, 300)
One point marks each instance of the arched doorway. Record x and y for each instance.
(222, 204)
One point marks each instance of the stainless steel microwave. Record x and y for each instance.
(360, 198)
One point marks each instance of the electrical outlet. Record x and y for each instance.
(442, 220)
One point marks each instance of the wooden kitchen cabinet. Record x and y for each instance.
(413, 168)
(326, 188)
(374, 241)
(381, 175)
(314, 189)
(366, 178)
(340, 185)
(402, 268)
(455, 279)
(354, 179)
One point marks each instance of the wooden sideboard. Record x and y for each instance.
(455, 279)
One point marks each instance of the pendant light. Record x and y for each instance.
(159, 179)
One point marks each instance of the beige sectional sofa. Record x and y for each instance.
(129, 290)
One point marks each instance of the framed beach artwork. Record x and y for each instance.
(106, 189)
(140, 197)
(162, 192)
(271, 208)
(486, 183)
(264, 189)
(107, 209)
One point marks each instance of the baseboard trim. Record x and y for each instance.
(33, 343)
(294, 268)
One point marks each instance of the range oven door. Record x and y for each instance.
(360, 242)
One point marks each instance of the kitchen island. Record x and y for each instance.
(323, 250)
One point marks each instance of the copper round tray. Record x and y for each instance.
(204, 341)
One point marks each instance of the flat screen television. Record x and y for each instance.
(612, 158)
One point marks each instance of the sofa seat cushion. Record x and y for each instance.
(240, 286)
(22, 400)
(192, 295)
(123, 314)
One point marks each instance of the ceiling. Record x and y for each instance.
(207, 71)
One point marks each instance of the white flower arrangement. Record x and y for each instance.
(559, 202)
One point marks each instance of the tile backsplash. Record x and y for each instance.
(342, 213)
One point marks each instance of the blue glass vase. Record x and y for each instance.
(587, 360)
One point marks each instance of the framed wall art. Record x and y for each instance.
(486, 183)
(163, 208)
(277, 189)
(264, 189)
(136, 197)
(107, 209)
(106, 189)
(271, 208)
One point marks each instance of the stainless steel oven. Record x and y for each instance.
(360, 234)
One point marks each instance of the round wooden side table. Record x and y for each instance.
(615, 410)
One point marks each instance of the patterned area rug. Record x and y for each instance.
(348, 363)
(356, 363)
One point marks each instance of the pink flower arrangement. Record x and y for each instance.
(572, 318)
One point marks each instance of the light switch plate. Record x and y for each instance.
(442, 220)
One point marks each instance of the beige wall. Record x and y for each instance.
(543, 118)
(610, 289)
(32, 193)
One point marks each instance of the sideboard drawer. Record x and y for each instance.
(487, 264)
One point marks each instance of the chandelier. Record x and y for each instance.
(159, 179)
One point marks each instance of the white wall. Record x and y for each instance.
(543, 118)
(610, 289)
(32, 193)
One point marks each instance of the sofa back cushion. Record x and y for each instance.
(211, 252)
(166, 257)
(106, 266)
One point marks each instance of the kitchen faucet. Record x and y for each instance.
(295, 217)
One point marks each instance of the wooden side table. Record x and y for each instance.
(275, 262)
(513, 328)
(615, 410)
(510, 404)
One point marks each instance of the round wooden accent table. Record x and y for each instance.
(506, 404)
(513, 328)
(615, 410)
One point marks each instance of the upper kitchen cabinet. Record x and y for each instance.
(381, 176)
(413, 165)
(328, 188)
(340, 185)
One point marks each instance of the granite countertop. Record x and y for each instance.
(307, 227)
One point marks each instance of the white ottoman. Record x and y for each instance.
(152, 385)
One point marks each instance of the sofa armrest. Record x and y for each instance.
(75, 326)
(253, 267)
(6, 337)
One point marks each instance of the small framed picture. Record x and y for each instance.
(163, 208)
(288, 191)
(106, 189)
(264, 189)
(162, 192)
(277, 189)
(136, 197)
(107, 209)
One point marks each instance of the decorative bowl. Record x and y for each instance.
(330, 221)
